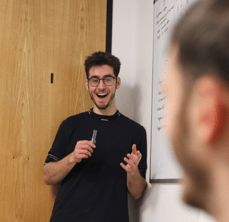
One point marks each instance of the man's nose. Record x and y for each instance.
(101, 84)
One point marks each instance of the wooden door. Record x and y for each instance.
(37, 38)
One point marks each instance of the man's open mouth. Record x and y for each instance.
(102, 95)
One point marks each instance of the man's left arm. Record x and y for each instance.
(135, 182)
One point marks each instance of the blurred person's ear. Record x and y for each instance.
(210, 110)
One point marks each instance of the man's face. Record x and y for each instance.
(181, 132)
(102, 95)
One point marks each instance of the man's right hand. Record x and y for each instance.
(83, 150)
(55, 172)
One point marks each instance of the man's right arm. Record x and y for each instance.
(55, 172)
(54, 190)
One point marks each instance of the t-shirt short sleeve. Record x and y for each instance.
(142, 147)
(57, 152)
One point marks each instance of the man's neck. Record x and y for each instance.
(109, 111)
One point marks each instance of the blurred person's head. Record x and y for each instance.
(197, 86)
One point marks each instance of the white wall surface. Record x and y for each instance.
(132, 42)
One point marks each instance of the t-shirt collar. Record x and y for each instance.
(103, 117)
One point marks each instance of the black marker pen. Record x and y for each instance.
(94, 133)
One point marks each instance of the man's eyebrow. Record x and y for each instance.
(108, 75)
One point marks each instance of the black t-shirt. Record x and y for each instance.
(95, 189)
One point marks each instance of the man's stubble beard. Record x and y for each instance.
(106, 105)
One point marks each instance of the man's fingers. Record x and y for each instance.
(133, 161)
(82, 142)
(134, 149)
(86, 142)
(136, 156)
(86, 147)
(130, 162)
(133, 157)
(82, 151)
(125, 167)
(139, 155)
(92, 144)
(82, 156)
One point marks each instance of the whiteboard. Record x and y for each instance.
(162, 161)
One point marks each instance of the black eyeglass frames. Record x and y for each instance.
(108, 81)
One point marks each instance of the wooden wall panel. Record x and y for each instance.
(40, 37)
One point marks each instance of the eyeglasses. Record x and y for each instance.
(108, 81)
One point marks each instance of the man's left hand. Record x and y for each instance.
(132, 161)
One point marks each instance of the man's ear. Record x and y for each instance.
(86, 84)
(118, 83)
(211, 112)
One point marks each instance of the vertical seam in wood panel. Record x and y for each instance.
(109, 25)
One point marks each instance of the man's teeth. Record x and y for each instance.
(102, 95)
